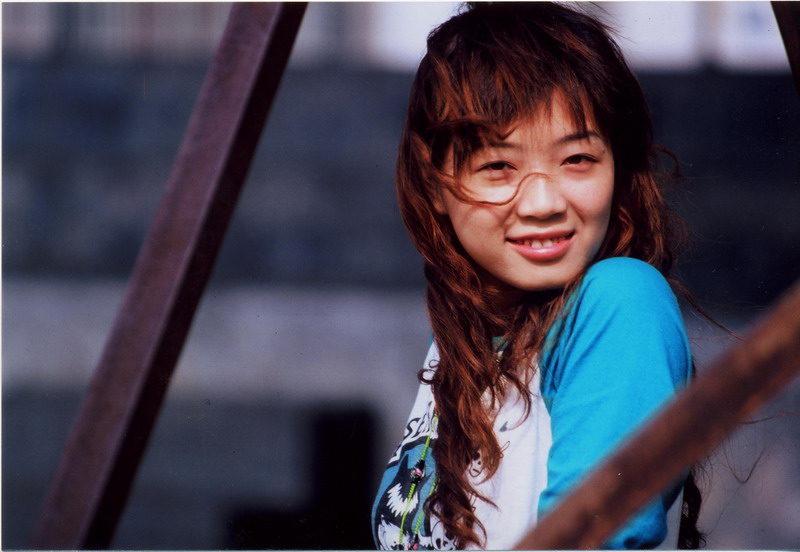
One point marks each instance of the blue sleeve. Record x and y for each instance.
(615, 357)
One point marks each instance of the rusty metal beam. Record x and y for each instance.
(787, 14)
(733, 388)
(110, 434)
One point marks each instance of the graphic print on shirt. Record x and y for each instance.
(475, 468)
(393, 497)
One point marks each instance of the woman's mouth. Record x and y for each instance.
(550, 248)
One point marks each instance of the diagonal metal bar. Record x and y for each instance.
(787, 14)
(732, 389)
(110, 434)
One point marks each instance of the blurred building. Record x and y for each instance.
(316, 309)
(656, 36)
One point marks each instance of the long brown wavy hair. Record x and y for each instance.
(486, 68)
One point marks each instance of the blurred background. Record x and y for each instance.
(300, 368)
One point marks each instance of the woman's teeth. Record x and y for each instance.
(550, 242)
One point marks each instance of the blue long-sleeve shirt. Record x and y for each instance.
(614, 357)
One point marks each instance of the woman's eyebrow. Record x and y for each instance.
(577, 136)
(505, 145)
(574, 137)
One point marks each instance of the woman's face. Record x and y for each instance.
(556, 222)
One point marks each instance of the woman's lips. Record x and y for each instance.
(542, 248)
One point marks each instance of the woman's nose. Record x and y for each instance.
(539, 197)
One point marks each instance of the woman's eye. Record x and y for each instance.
(579, 159)
(496, 166)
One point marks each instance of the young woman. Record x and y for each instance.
(525, 178)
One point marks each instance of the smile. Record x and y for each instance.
(542, 248)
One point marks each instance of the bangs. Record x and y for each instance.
(460, 139)
(482, 81)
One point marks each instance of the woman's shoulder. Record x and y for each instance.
(618, 297)
(624, 311)
(624, 271)
(624, 279)
(623, 265)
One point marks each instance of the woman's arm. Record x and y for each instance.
(619, 353)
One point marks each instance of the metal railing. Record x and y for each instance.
(733, 388)
(108, 439)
